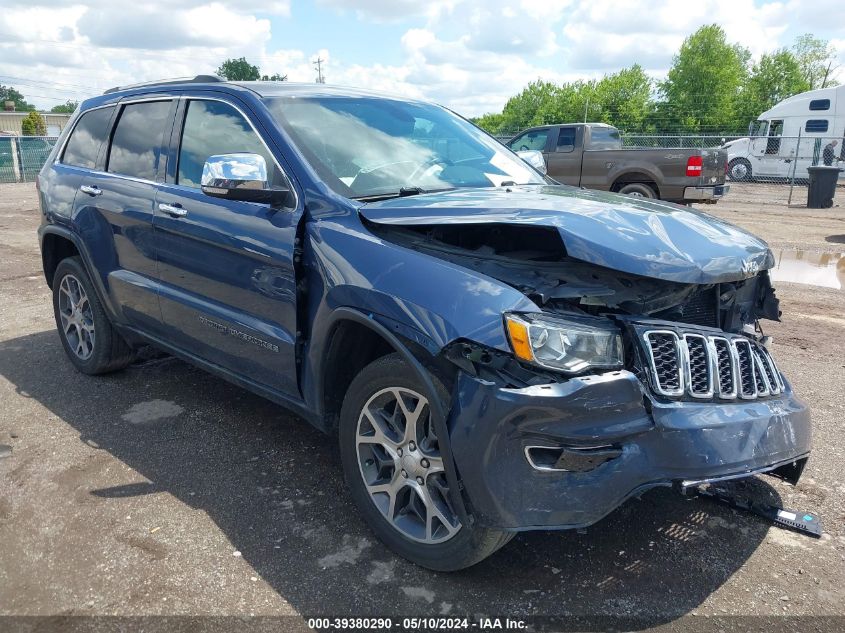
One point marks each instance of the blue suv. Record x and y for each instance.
(494, 352)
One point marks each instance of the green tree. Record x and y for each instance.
(7, 93)
(773, 78)
(492, 123)
(522, 110)
(239, 70)
(815, 58)
(34, 124)
(700, 91)
(623, 99)
(274, 77)
(66, 108)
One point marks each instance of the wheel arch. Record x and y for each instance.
(351, 329)
(57, 243)
(635, 176)
(56, 246)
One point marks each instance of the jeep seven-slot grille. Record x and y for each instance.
(706, 366)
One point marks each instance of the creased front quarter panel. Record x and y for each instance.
(440, 299)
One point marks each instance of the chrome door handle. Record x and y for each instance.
(173, 210)
(91, 191)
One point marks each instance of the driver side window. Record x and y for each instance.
(211, 128)
(773, 142)
(533, 140)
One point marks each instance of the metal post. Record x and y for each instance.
(16, 167)
(794, 166)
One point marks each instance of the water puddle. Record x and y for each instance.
(810, 267)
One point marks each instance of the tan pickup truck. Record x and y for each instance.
(590, 155)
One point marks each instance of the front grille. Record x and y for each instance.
(666, 362)
(692, 364)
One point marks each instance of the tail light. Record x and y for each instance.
(694, 165)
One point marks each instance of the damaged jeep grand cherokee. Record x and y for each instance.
(493, 351)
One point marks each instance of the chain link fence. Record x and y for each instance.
(21, 157)
(675, 141)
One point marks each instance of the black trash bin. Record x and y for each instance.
(822, 186)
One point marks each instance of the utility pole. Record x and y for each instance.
(318, 64)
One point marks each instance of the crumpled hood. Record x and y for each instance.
(641, 237)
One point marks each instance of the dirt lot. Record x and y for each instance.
(163, 490)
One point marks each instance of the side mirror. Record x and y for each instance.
(240, 177)
(535, 159)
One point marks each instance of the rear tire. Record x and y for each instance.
(638, 190)
(90, 341)
(739, 170)
(393, 468)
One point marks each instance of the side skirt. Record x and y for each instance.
(293, 405)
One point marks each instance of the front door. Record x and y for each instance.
(228, 288)
(773, 156)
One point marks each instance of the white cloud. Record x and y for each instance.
(606, 34)
(144, 28)
(390, 10)
(467, 54)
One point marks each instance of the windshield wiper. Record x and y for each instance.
(402, 193)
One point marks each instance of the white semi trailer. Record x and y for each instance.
(773, 148)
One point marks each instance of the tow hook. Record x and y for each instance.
(802, 522)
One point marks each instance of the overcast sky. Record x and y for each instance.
(469, 55)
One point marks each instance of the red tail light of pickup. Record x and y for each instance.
(694, 165)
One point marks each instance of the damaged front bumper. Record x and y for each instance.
(564, 455)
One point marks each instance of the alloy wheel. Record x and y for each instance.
(400, 462)
(77, 317)
(739, 171)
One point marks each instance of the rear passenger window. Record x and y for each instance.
(137, 143)
(566, 139)
(816, 125)
(820, 104)
(211, 128)
(87, 138)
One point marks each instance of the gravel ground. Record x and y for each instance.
(162, 490)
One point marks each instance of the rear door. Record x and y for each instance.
(228, 288)
(563, 158)
(114, 208)
(83, 151)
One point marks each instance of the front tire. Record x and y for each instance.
(394, 469)
(90, 341)
(638, 190)
(739, 170)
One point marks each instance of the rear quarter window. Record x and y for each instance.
(87, 138)
(605, 138)
(820, 104)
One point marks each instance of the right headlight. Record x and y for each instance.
(570, 346)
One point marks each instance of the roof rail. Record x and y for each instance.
(205, 79)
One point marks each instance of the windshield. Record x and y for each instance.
(368, 146)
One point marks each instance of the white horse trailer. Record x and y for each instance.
(790, 137)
